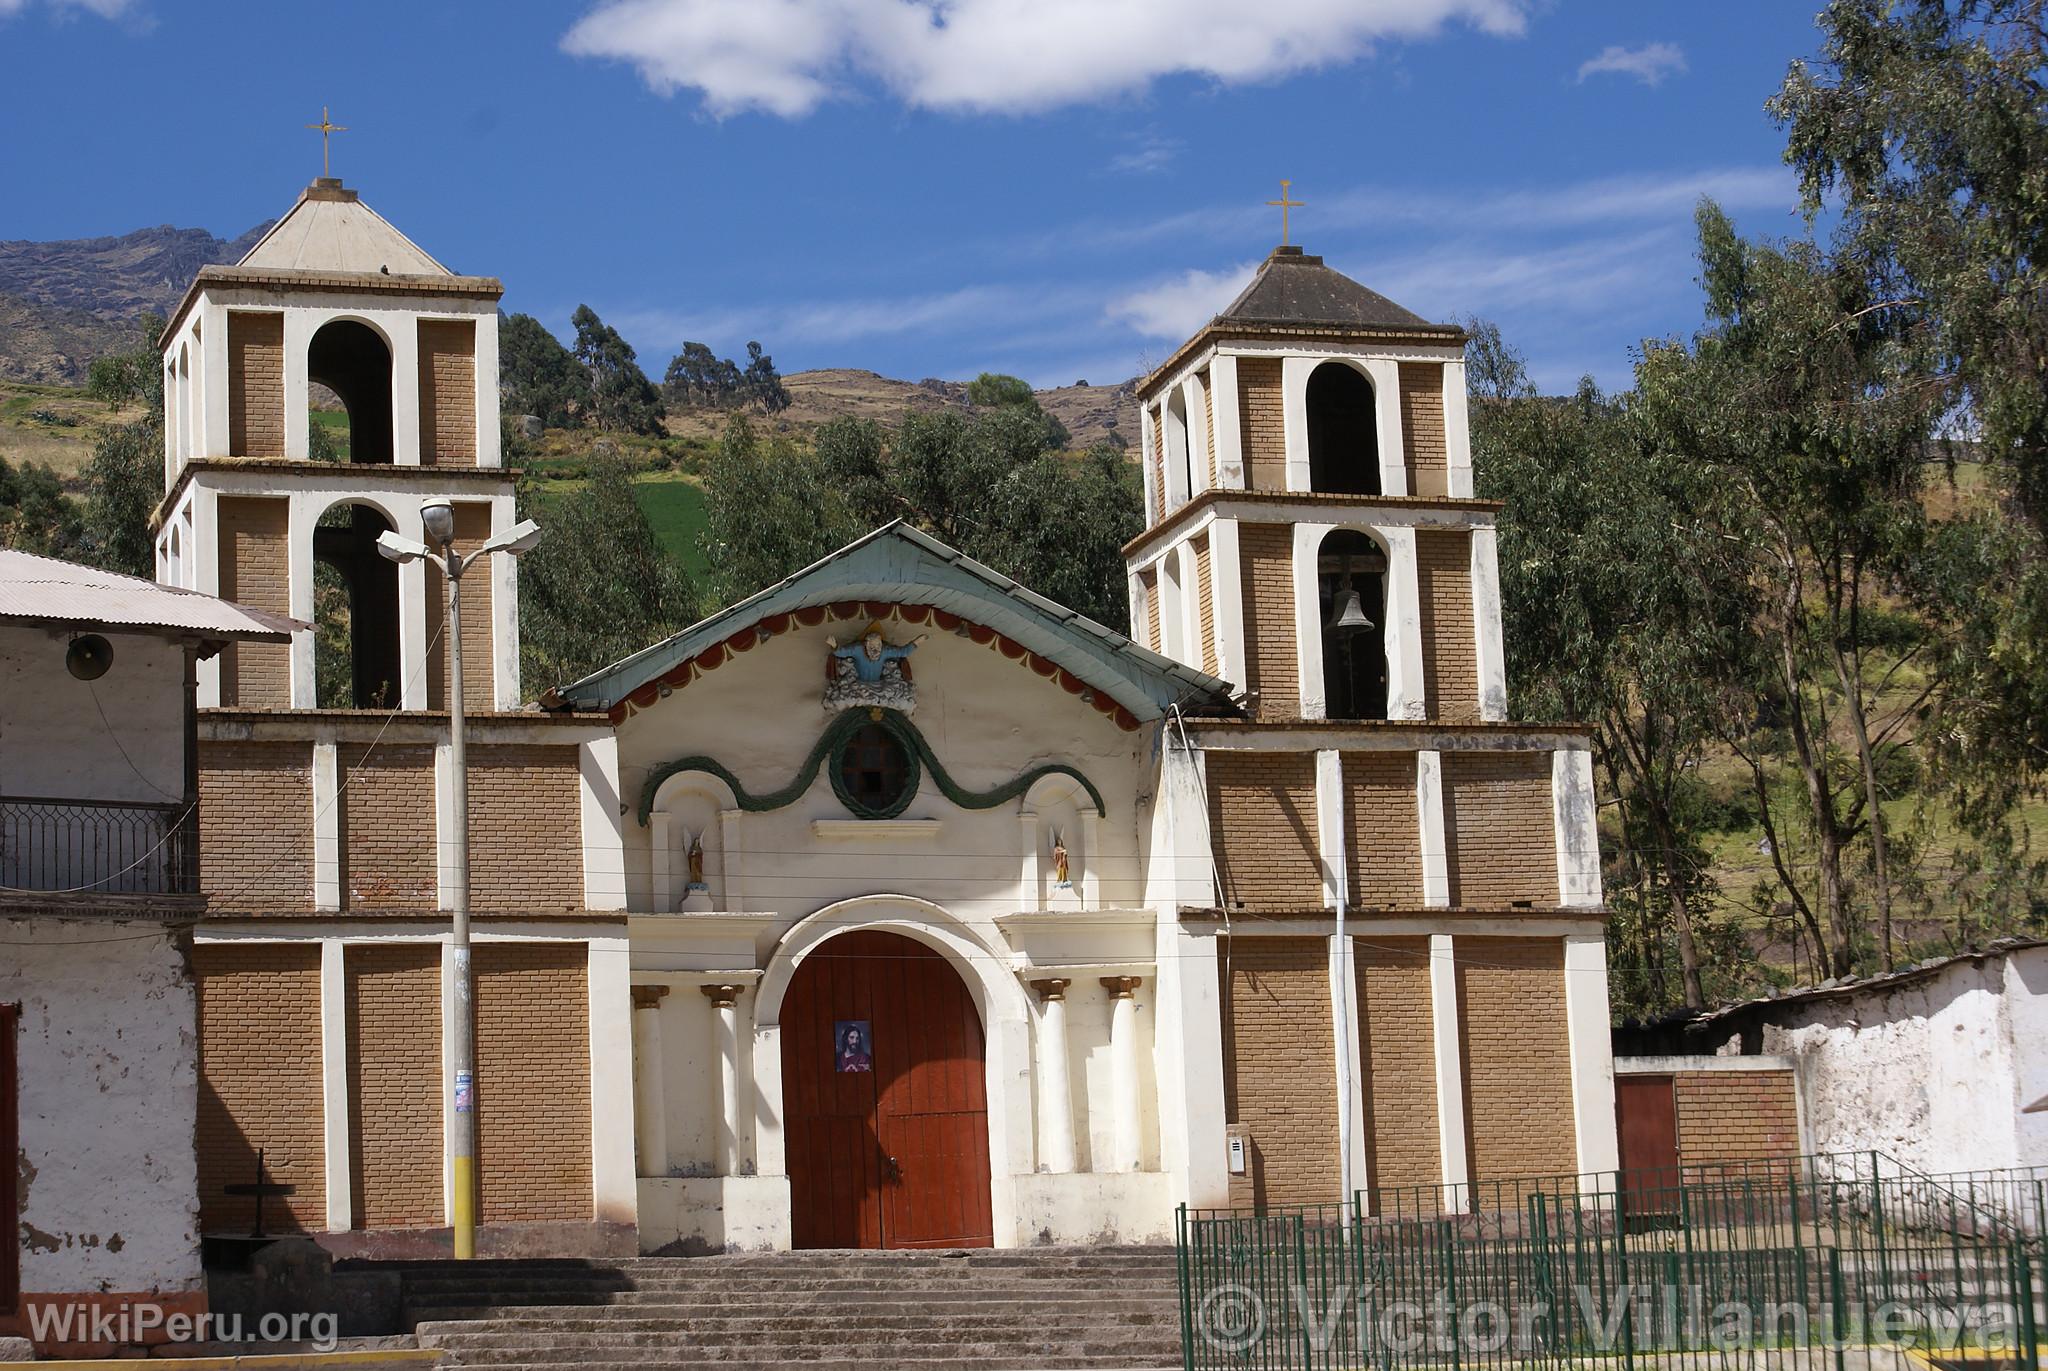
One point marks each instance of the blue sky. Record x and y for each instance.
(1055, 188)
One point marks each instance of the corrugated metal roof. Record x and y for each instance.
(900, 563)
(45, 590)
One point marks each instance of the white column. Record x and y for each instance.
(1450, 1069)
(298, 557)
(298, 397)
(446, 839)
(1308, 618)
(1457, 432)
(1429, 806)
(415, 584)
(725, 1046)
(334, 1085)
(1344, 967)
(1154, 496)
(614, 1192)
(650, 1110)
(1226, 588)
(604, 845)
(326, 827)
(1123, 1073)
(211, 394)
(204, 549)
(1294, 374)
(1592, 1048)
(1330, 845)
(405, 390)
(1229, 430)
(1386, 385)
(1490, 648)
(1405, 695)
(1576, 820)
(770, 1156)
(1189, 609)
(488, 453)
(504, 581)
(1055, 1095)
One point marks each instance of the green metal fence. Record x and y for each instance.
(1834, 1263)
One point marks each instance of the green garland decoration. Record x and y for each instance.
(831, 740)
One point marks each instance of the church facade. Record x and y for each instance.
(894, 905)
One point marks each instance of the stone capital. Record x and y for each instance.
(1051, 989)
(722, 996)
(648, 996)
(1120, 987)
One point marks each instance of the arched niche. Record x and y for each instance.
(1355, 675)
(1343, 431)
(356, 656)
(689, 811)
(353, 360)
(1058, 812)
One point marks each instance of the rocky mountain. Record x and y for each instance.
(63, 303)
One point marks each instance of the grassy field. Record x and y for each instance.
(53, 426)
(673, 503)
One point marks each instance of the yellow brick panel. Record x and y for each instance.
(1262, 822)
(255, 571)
(1397, 1053)
(525, 828)
(1205, 603)
(256, 825)
(1422, 428)
(1266, 569)
(447, 349)
(1736, 1116)
(1450, 634)
(1279, 1083)
(533, 1069)
(1383, 829)
(1209, 421)
(255, 384)
(472, 527)
(1262, 420)
(1517, 1055)
(388, 827)
(259, 1084)
(1499, 829)
(395, 1084)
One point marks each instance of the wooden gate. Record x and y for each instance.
(1646, 1118)
(883, 1090)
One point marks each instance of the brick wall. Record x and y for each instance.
(1450, 637)
(526, 828)
(447, 392)
(259, 1084)
(1205, 603)
(1209, 421)
(256, 825)
(1397, 1056)
(1262, 822)
(472, 527)
(1279, 1083)
(1422, 428)
(1158, 463)
(1499, 829)
(387, 827)
(1266, 567)
(1517, 1055)
(1261, 417)
(1383, 829)
(1736, 1116)
(533, 1071)
(395, 1084)
(1148, 586)
(255, 384)
(254, 570)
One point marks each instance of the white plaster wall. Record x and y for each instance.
(1934, 1073)
(987, 718)
(1089, 1074)
(53, 741)
(109, 1099)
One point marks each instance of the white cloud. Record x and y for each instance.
(1176, 308)
(1155, 152)
(105, 9)
(1649, 64)
(787, 57)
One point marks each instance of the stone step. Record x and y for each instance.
(1105, 1303)
(1017, 1362)
(450, 1331)
(1049, 1352)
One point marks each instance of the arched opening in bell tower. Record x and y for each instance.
(1179, 452)
(352, 359)
(355, 612)
(1343, 432)
(1351, 588)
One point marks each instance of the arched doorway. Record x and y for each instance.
(350, 359)
(356, 661)
(1343, 432)
(1351, 587)
(887, 1138)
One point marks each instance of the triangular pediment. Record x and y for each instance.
(331, 230)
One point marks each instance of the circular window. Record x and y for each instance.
(876, 774)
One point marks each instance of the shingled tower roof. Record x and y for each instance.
(1292, 288)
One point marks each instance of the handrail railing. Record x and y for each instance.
(97, 847)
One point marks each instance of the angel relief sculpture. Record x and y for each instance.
(870, 672)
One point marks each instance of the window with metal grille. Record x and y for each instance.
(874, 771)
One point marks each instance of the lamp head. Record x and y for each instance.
(439, 518)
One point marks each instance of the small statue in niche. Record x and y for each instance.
(1062, 879)
(870, 671)
(696, 861)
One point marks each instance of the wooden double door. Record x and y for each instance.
(886, 1111)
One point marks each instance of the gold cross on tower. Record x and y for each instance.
(327, 128)
(1285, 204)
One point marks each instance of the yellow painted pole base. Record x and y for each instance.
(465, 1208)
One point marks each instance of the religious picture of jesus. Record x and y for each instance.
(852, 1048)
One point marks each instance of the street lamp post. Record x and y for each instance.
(437, 517)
